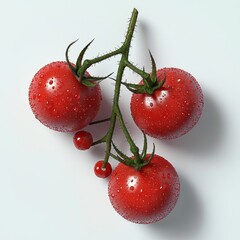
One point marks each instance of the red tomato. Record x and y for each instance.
(147, 195)
(102, 172)
(172, 110)
(59, 101)
(82, 140)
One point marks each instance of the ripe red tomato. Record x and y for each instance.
(102, 172)
(82, 140)
(59, 101)
(172, 110)
(147, 195)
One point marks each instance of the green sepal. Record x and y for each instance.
(144, 151)
(88, 83)
(117, 158)
(123, 156)
(72, 68)
(134, 88)
(151, 157)
(81, 54)
(144, 88)
(93, 81)
(150, 81)
(161, 82)
(154, 69)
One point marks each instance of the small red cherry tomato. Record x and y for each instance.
(102, 172)
(82, 140)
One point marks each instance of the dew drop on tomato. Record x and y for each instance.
(145, 196)
(181, 92)
(57, 84)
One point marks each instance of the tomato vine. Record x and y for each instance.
(151, 83)
(166, 104)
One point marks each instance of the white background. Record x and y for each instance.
(48, 189)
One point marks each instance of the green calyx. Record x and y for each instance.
(138, 160)
(150, 81)
(150, 84)
(89, 81)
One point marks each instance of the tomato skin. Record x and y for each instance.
(147, 195)
(59, 101)
(101, 172)
(172, 110)
(82, 140)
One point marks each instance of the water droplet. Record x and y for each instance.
(41, 76)
(151, 104)
(50, 82)
(77, 96)
(132, 188)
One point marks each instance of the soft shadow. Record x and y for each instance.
(207, 136)
(146, 42)
(187, 217)
(104, 112)
(99, 130)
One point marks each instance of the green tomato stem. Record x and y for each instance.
(116, 114)
(100, 121)
(137, 70)
(89, 62)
